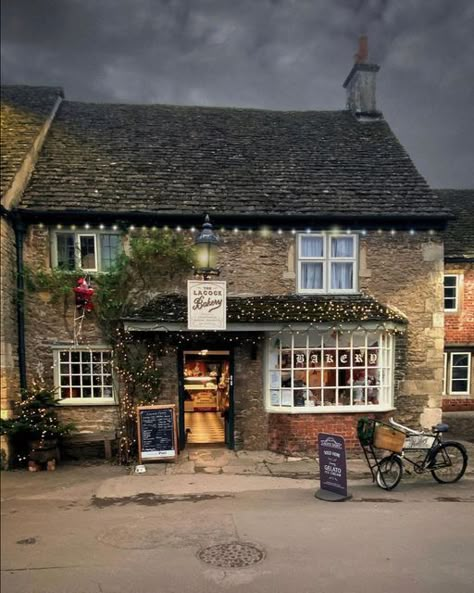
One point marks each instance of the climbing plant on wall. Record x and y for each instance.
(151, 263)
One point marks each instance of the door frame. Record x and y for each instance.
(181, 424)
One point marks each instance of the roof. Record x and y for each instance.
(24, 110)
(188, 160)
(459, 235)
(276, 308)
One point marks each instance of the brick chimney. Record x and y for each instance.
(360, 84)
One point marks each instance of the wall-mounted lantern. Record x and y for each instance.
(206, 251)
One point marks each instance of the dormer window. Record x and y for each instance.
(85, 251)
(327, 263)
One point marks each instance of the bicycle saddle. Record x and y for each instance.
(441, 427)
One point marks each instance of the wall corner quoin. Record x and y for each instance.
(430, 417)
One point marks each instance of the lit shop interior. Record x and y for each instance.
(206, 395)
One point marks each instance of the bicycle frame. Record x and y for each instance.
(418, 441)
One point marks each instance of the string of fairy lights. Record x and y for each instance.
(344, 317)
(264, 230)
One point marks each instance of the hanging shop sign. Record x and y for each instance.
(332, 468)
(157, 433)
(207, 307)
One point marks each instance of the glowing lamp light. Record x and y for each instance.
(206, 251)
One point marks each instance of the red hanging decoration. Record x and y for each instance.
(84, 294)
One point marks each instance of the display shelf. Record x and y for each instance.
(200, 388)
(207, 379)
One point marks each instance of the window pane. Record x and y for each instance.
(450, 293)
(450, 303)
(312, 275)
(66, 251)
(109, 250)
(87, 245)
(342, 276)
(342, 247)
(312, 246)
(459, 372)
(460, 360)
(450, 281)
(459, 386)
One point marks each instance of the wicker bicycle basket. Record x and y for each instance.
(388, 438)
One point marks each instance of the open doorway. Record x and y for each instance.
(207, 397)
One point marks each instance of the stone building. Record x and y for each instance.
(331, 245)
(26, 114)
(458, 385)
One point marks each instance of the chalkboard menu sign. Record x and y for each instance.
(157, 433)
(332, 465)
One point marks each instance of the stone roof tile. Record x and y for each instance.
(24, 109)
(459, 235)
(190, 160)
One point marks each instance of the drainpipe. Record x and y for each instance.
(20, 229)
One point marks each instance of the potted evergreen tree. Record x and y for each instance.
(35, 429)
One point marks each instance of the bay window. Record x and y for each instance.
(316, 371)
(327, 263)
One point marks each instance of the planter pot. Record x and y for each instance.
(43, 450)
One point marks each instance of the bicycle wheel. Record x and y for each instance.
(449, 463)
(389, 472)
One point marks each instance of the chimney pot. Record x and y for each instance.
(360, 84)
(362, 54)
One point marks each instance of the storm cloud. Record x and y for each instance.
(273, 54)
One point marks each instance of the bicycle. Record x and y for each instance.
(446, 460)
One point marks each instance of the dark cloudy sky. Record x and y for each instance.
(277, 54)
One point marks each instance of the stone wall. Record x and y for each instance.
(9, 376)
(251, 419)
(401, 270)
(406, 272)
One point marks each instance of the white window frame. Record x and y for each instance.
(456, 292)
(77, 247)
(79, 255)
(83, 401)
(386, 364)
(445, 372)
(326, 260)
(469, 369)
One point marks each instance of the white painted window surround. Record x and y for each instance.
(84, 375)
(321, 372)
(327, 263)
(452, 283)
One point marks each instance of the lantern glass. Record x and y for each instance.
(206, 256)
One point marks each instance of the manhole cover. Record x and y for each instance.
(233, 555)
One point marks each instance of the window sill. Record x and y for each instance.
(331, 410)
(85, 402)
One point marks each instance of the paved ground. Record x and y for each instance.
(99, 529)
